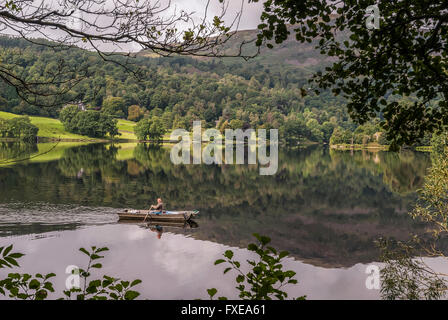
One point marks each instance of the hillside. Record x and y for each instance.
(264, 92)
(54, 129)
(300, 58)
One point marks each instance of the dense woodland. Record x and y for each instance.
(227, 93)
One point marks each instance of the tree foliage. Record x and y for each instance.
(90, 123)
(114, 106)
(404, 275)
(405, 56)
(153, 26)
(150, 129)
(19, 128)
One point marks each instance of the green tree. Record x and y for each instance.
(114, 106)
(67, 115)
(135, 113)
(439, 142)
(150, 129)
(341, 136)
(18, 127)
(90, 123)
(293, 130)
(327, 130)
(236, 124)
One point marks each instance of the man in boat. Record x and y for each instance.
(158, 206)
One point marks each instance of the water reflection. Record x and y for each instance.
(325, 207)
(175, 267)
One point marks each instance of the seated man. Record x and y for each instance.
(158, 206)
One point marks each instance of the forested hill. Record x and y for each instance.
(294, 60)
(261, 93)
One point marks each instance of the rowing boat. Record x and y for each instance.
(151, 215)
(190, 224)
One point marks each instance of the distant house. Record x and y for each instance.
(80, 104)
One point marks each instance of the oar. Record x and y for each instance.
(146, 216)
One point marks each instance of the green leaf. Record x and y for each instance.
(95, 283)
(219, 261)
(16, 255)
(50, 275)
(252, 247)
(12, 261)
(49, 286)
(80, 297)
(84, 251)
(91, 289)
(22, 296)
(228, 254)
(131, 295)
(239, 278)
(265, 240)
(7, 250)
(114, 295)
(34, 284)
(136, 282)
(97, 265)
(211, 292)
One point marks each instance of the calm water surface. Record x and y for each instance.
(325, 207)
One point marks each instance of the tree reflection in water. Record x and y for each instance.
(323, 206)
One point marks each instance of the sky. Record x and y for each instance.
(249, 19)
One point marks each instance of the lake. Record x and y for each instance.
(325, 207)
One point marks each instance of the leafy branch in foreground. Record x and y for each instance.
(22, 286)
(104, 289)
(26, 287)
(407, 277)
(264, 281)
(266, 278)
(8, 258)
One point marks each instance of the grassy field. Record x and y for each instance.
(126, 128)
(54, 129)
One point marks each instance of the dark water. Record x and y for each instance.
(325, 207)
